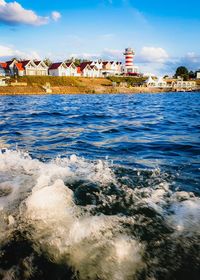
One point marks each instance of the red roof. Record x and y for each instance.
(3, 65)
(55, 65)
(19, 66)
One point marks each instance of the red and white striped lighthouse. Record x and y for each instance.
(129, 55)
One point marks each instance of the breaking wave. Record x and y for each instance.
(72, 218)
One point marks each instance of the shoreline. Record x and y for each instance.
(72, 85)
(31, 90)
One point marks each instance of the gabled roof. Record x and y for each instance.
(150, 80)
(56, 65)
(93, 67)
(83, 65)
(160, 80)
(3, 65)
(25, 63)
(70, 64)
(19, 66)
(38, 62)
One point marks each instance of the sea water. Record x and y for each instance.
(100, 187)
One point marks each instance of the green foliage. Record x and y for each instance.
(182, 72)
(48, 62)
(192, 75)
(76, 61)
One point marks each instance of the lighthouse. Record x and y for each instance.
(129, 66)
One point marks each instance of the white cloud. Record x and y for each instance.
(112, 54)
(106, 54)
(7, 52)
(153, 55)
(191, 60)
(55, 15)
(13, 13)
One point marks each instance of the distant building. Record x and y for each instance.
(185, 85)
(156, 83)
(42, 68)
(129, 68)
(71, 69)
(111, 68)
(150, 82)
(198, 75)
(58, 69)
(89, 70)
(23, 68)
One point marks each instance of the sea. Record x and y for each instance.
(100, 187)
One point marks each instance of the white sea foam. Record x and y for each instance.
(92, 245)
(39, 200)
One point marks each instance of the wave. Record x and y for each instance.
(94, 220)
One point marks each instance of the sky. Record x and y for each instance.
(164, 34)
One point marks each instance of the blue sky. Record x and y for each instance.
(164, 34)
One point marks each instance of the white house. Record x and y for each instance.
(71, 69)
(30, 68)
(86, 70)
(161, 83)
(198, 74)
(18, 69)
(58, 69)
(111, 68)
(95, 71)
(185, 85)
(150, 82)
(42, 68)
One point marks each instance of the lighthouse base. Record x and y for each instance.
(131, 70)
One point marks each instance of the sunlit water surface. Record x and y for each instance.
(100, 187)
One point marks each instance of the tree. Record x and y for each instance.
(76, 61)
(182, 72)
(192, 75)
(47, 61)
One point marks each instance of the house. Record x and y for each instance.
(24, 68)
(95, 71)
(7, 68)
(184, 85)
(18, 69)
(86, 69)
(106, 69)
(3, 67)
(111, 68)
(42, 68)
(30, 68)
(198, 75)
(150, 82)
(58, 69)
(71, 69)
(161, 83)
